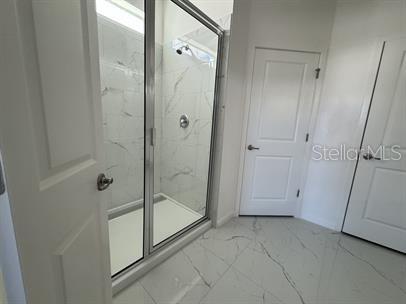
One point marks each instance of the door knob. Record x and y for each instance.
(103, 182)
(369, 156)
(251, 147)
(184, 121)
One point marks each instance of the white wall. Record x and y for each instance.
(358, 32)
(349, 35)
(298, 25)
(232, 113)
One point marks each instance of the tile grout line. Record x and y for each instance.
(147, 292)
(226, 271)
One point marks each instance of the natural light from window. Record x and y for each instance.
(123, 13)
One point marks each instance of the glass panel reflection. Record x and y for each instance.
(121, 45)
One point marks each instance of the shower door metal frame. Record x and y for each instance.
(155, 254)
(196, 13)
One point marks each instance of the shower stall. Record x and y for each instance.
(159, 66)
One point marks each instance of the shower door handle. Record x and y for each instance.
(103, 182)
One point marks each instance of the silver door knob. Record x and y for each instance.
(369, 156)
(103, 182)
(184, 121)
(251, 147)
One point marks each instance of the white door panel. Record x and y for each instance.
(271, 168)
(377, 206)
(280, 107)
(280, 100)
(52, 144)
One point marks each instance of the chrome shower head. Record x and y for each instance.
(185, 47)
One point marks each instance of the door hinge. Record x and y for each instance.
(153, 135)
(2, 182)
(307, 137)
(298, 193)
(317, 73)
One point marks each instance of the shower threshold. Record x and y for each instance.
(126, 228)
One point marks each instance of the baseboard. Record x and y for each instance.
(223, 220)
(320, 222)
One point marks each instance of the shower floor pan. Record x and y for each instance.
(126, 228)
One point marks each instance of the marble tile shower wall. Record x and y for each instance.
(122, 85)
(184, 85)
(187, 88)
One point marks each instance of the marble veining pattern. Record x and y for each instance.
(122, 91)
(187, 88)
(274, 260)
(183, 85)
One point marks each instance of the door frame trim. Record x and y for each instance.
(363, 133)
(312, 122)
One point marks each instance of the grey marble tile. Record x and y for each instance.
(122, 90)
(135, 294)
(210, 267)
(365, 273)
(288, 271)
(236, 288)
(278, 260)
(184, 85)
(227, 242)
(178, 279)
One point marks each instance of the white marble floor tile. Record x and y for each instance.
(287, 269)
(236, 288)
(227, 242)
(278, 260)
(136, 294)
(205, 263)
(175, 281)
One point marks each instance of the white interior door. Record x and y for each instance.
(281, 100)
(377, 206)
(51, 141)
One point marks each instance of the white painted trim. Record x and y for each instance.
(312, 122)
(358, 132)
(312, 127)
(224, 220)
(318, 221)
(248, 80)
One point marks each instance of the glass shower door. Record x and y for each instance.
(186, 52)
(121, 48)
(158, 81)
